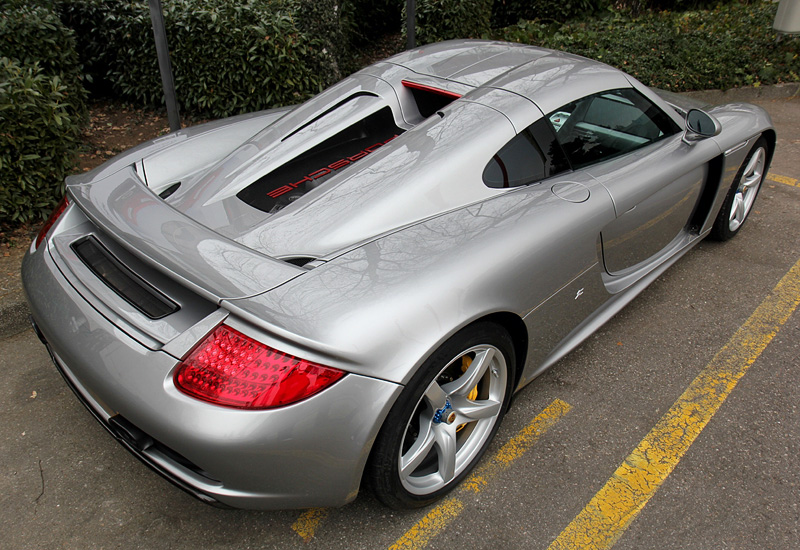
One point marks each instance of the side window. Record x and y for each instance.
(532, 155)
(605, 125)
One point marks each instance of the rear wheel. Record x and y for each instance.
(742, 194)
(444, 420)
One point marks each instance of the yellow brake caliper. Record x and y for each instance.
(466, 361)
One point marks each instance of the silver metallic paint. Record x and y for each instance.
(655, 190)
(121, 376)
(152, 332)
(413, 248)
(359, 300)
(237, 127)
(434, 168)
(210, 264)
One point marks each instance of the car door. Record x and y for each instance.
(636, 152)
(559, 216)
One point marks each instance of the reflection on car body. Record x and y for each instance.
(275, 310)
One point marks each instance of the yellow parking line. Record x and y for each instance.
(516, 446)
(306, 525)
(431, 525)
(783, 179)
(438, 518)
(617, 504)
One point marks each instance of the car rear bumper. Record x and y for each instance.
(308, 454)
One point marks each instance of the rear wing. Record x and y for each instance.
(214, 266)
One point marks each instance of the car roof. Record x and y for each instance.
(472, 62)
(549, 78)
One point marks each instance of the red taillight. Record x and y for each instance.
(231, 369)
(57, 211)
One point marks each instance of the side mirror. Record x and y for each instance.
(700, 125)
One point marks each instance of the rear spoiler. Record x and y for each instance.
(214, 266)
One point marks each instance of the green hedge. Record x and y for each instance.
(447, 19)
(725, 47)
(227, 57)
(639, 6)
(35, 34)
(367, 20)
(94, 22)
(507, 12)
(40, 135)
(42, 106)
(323, 21)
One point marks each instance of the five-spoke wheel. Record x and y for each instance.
(445, 418)
(746, 191)
(741, 196)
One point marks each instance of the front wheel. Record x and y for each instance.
(445, 418)
(742, 194)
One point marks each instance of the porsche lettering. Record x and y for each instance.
(337, 165)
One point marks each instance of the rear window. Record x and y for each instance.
(310, 169)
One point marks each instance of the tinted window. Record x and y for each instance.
(608, 124)
(532, 155)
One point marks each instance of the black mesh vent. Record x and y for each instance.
(129, 286)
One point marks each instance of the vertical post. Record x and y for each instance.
(164, 65)
(411, 24)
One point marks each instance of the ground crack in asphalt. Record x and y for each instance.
(41, 493)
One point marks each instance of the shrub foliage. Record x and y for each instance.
(447, 19)
(40, 134)
(227, 57)
(365, 20)
(507, 12)
(42, 108)
(728, 46)
(35, 34)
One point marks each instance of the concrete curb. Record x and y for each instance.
(14, 307)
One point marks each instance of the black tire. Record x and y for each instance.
(742, 194)
(433, 412)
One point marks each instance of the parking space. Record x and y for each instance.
(674, 426)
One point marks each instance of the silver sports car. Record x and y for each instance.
(275, 309)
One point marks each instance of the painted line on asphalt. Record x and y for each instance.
(783, 179)
(604, 520)
(442, 514)
(306, 525)
(431, 525)
(515, 447)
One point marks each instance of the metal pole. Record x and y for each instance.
(164, 65)
(411, 24)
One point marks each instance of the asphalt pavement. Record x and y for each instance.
(674, 426)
